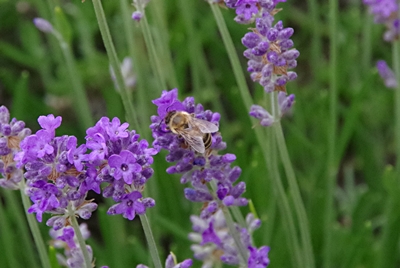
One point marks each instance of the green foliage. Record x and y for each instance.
(35, 81)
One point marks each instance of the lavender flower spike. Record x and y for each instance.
(198, 169)
(122, 161)
(387, 74)
(11, 134)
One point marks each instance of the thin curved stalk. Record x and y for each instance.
(79, 237)
(150, 241)
(33, 225)
(154, 61)
(331, 166)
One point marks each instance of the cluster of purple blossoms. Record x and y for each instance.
(197, 169)
(201, 171)
(59, 174)
(171, 262)
(270, 51)
(66, 239)
(11, 134)
(214, 243)
(386, 12)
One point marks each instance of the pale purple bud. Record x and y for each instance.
(43, 25)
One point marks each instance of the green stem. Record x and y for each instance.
(238, 216)
(316, 38)
(115, 64)
(396, 65)
(284, 206)
(233, 57)
(150, 241)
(277, 141)
(277, 183)
(331, 167)
(141, 92)
(154, 60)
(297, 200)
(79, 237)
(83, 109)
(243, 255)
(44, 258)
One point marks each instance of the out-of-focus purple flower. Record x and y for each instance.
(43, 25)
(11, 134)
(137, 15)
(258, 257)
(65, 238)
(386, 12)
(387, 74)
(285, 102)
(214, 244)
(193, 164)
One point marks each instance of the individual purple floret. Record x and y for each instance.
(11, 134)
(387, 74)
(386, 12)
(65, 238)
(214, 244)
(171, 262)
(258, 112)
(285, 102)
(196, 168)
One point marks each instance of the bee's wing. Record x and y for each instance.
(194, 139)
(204, 126)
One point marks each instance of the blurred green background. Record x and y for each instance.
(34, 80)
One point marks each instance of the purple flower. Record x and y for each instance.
(387, 74)
(11, 134)
(190, 162)
(137, 16)
(124, 166)
(285, 102)
(214, 244)
(65, 238)
(261, 114)
(131, 204)
(258, 257)
(245, 9)
(386, 12)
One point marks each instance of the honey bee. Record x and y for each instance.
(196, 132)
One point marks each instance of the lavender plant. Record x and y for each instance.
(212, 183)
